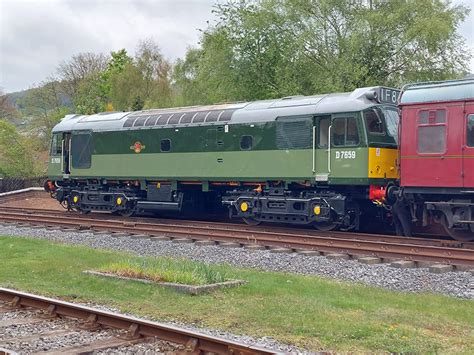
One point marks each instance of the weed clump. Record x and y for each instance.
(181, 271)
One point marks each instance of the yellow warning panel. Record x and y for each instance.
(383, 163)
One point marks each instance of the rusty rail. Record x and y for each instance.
(195, 342)
(236, 227)
(352, 244)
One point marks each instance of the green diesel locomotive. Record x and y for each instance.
(321, 160)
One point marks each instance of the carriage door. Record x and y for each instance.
(468, 148)
(321, 148)
(438, 161)
(66, 154)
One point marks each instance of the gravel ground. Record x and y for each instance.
(82, 337)
(50, 343)
(458, 284)
(11, 336)
(263, 342)
(22, 330)
(150, 347)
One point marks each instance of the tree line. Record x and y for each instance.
(256, 49)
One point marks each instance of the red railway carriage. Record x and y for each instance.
(437, 155)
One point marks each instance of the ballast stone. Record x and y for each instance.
(440, 268)
(403, 264)
(204, 243)
(338, 256)
(369, 260)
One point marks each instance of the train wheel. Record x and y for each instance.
(458, 234)
(251, 221)
(326, 226)
(126, 213)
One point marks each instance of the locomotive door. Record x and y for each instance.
(321, 148)
(468, 147)
(66, 154)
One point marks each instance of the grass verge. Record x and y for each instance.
(310, 312)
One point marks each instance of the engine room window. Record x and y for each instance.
(57, 144)
(470, 131)
(246, 142)
(373, 122)
(344, 132)
(294, 132)
(81, 150)
(165, 145)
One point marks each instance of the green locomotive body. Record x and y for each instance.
(317, 159)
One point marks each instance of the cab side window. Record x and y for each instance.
(344, 132)
(373, 122)
(81, 150)
(470, 131)
(56, 145)
(323, 132)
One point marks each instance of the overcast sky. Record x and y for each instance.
(35, 35)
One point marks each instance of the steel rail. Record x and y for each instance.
(229, 226)
(195, 342)
(383, 249)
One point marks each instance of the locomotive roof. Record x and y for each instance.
(450, 90)
(245, 112)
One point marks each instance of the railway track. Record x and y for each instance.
(63, 320)
(353, 244)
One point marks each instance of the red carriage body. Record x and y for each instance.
(437, 154)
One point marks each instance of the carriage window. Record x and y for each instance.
(373, 122)
(165, 145)
(323, 132)
(57, 144)
(246, 142)
(81, 150)
(344, 132)
(470, 131)
(432, 131)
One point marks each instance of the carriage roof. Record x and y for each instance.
(451, 90)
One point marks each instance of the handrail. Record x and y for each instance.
(314, 149)
(329, 148)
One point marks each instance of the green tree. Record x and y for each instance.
(7, 108)
(125, 87)
(94, 91)
(15, 157)
(43, 105)
(270, 48)
(119, 60)
(82, 65)
(155, 71)
(90, 97)
(143, 81)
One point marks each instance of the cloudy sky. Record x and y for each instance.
(35, 35)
